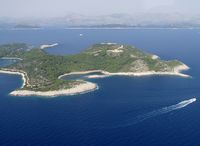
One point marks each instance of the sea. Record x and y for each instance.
(124, 111)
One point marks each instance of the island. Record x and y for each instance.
(43, 73)
(26, 26)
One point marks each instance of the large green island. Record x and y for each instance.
(42, 73)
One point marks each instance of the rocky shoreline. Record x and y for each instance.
(86, 86)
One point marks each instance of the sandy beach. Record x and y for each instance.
(48, 46)
(81, 72)
(78, 89)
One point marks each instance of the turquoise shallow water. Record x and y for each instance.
(124, 111)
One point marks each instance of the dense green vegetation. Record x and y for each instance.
(14, 50)
(43, 69)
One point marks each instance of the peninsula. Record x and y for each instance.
(42, 72)
(48, 46)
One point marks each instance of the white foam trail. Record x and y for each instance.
(154, 113)
(163, 110)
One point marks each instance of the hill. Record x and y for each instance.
(41, 70)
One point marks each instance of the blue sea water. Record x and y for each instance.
(124, 111)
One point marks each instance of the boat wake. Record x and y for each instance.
(152, 114)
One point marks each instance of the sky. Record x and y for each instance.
(60, 8)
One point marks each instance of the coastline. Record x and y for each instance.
(15, 72)
(176, 72)
(11, 58)
(48, 46)
(86, 86)
(78, 89)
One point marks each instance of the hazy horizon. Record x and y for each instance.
(60, 8)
